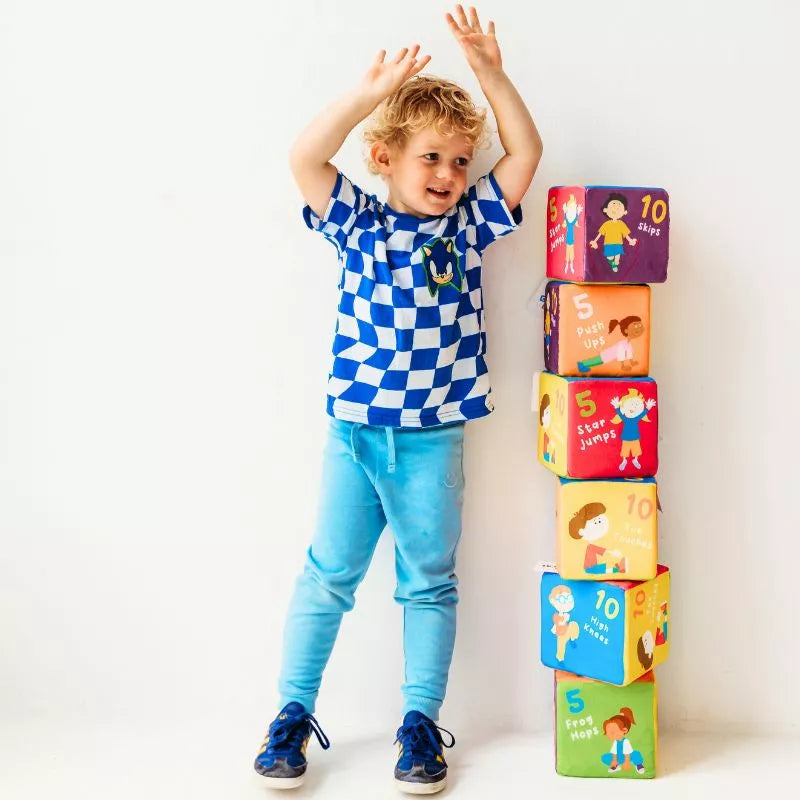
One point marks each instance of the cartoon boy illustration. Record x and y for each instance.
(548, 327)
(571, 213)
(630, 327)
(662, 621)
(631, 410)
(545, 419)
(645, 649)
(591, 523)
(622, 755)
(614, 230)
(563, 601)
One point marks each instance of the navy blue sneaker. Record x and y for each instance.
(282, 758)
(421, 768)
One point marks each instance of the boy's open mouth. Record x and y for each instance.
(440, 193)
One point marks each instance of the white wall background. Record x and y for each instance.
(165, 322)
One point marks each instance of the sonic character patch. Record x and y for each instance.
(441, 263)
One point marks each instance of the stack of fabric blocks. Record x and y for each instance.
(605, 608)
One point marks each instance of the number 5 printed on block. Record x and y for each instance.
(585, 310)
(575, 701)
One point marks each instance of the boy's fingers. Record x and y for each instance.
(490, 31)
(457, 29)
(474, 22)
(381, 56)
(400, 56)
(462, 17)
(420, 65)
(411, 58)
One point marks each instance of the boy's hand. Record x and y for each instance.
(385, 78)
(518, 134)
(481, 49)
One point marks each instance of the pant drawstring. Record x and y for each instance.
(390, 447)
(354, 446)
(354, 442)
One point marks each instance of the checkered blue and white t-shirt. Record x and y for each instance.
(410, 341)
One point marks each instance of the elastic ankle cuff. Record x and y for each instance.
(430, 708)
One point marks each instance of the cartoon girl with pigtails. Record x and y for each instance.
(622, 756)
(630, 327)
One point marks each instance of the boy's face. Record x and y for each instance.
(563, 602)
(596, 528)
(427, 174)
(615, 210)
(572, 209)
(632, 407)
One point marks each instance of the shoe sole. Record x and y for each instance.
(409, 787)
(283, 783)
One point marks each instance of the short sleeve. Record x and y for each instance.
(347, 206)
(488, 213)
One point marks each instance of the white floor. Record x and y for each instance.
(37, 764)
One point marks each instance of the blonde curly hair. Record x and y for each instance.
(422, 102)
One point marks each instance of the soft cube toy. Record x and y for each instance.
(607, 234)
(598, 330)
(607, 529)
(598, 427)
(611, 631)
(605, 731)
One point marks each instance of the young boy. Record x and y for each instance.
(408, 370)
(614, 230)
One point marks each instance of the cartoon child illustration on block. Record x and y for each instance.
(591, 523)
(662, 619)
(571, 213)
(622, 755)
(566, 630)
(645, 649)
(548, 327)
(631, 410)
(614, 230)
(630, 327)
(546, 418)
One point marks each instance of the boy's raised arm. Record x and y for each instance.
(313, 149)
(515, 127)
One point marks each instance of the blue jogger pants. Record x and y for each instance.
(413, 480)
